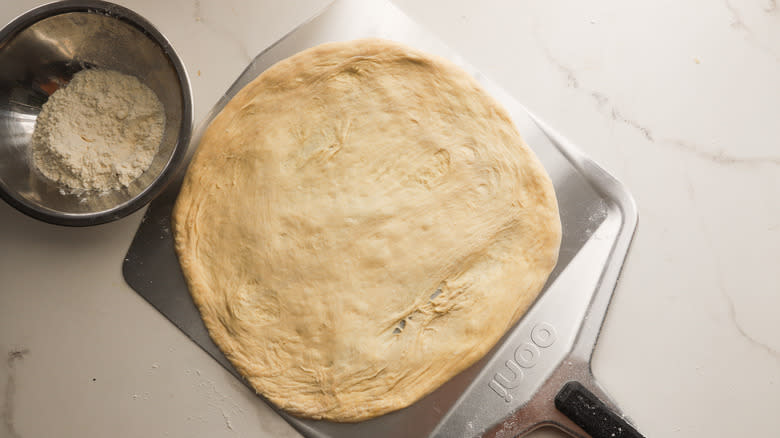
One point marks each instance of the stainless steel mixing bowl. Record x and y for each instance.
(43, 49)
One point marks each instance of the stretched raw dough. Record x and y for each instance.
(361, 223)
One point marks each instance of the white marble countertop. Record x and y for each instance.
(680, 100)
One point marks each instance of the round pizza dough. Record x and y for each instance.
(361, 223)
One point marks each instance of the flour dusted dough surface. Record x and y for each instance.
(361, 223)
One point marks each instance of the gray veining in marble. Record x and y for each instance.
(721, 157)
(739, 24)
(602, 101)
(733, 318)
(716, 273)
(605, 106)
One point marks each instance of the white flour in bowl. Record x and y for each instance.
(100, 132)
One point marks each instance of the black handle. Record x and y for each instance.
(591, 414)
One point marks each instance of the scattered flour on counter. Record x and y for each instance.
(100, 132)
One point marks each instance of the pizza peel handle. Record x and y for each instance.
(592, 415)
(569, 398)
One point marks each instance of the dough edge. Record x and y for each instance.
(182, 222)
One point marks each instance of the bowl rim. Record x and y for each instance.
(176, 159)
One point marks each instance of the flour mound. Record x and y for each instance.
(100, 132)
